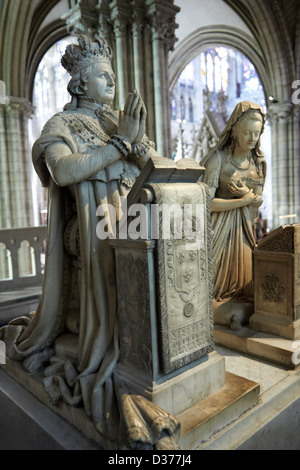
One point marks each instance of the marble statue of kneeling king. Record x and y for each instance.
(88, 155)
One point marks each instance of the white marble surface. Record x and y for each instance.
(266, 374)
(273, 424)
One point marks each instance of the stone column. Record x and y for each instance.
(5, 212)
(15, 177)
(161, 99)
(103, 28)
(284, 160)
(138, 57)
(26, 114)
(296, 152)
(16, 167)
(149, 96)
(161, 16)
(119, 20)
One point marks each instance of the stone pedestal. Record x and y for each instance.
(29, 423)
(164, 283)
(274, 328)
(277, 283)
(264, 346)
(177, 392)
(164, 286)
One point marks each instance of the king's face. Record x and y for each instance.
(101, 83)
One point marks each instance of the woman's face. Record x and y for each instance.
(101, 83)
(248, 133)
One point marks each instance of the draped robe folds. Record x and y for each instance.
(130, 420)
(233, 238)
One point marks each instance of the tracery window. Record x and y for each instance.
(191, 110)
(49, 97)
(182, 107)
(219, 69)
(173, 108)
(215, 81)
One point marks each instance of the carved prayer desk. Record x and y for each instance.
(277, 283)
(165, 286)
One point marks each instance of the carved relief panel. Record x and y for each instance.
(164, 274)
(183, 275)
(134, 310)
(277, 283)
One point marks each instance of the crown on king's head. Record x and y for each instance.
(85, 53)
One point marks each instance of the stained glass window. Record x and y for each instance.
(218, 74)
(210, 71)
(188, 75)
(203, 70)
(191, 110)
(215, 81)
(221, 70)
(173, 108)
(182, 107)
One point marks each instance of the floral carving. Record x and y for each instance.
(193, 255)
(273, 288)
(187, 275)
(180, 257)
(283, 244)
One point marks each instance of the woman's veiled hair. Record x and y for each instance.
(243, 110)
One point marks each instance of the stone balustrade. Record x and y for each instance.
(21, 257)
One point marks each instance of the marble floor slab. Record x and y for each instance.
(264, 373)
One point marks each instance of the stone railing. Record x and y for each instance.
(22, 252)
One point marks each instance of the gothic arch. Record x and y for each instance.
(20, 41)
(40, 40)
(273, 25)
(15, 20)
(46, 38)
(217, 35)
(297, 41)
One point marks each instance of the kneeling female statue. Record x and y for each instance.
(235, 173)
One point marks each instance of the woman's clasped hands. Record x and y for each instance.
(241, 190)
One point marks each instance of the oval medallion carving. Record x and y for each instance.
(188, 310)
